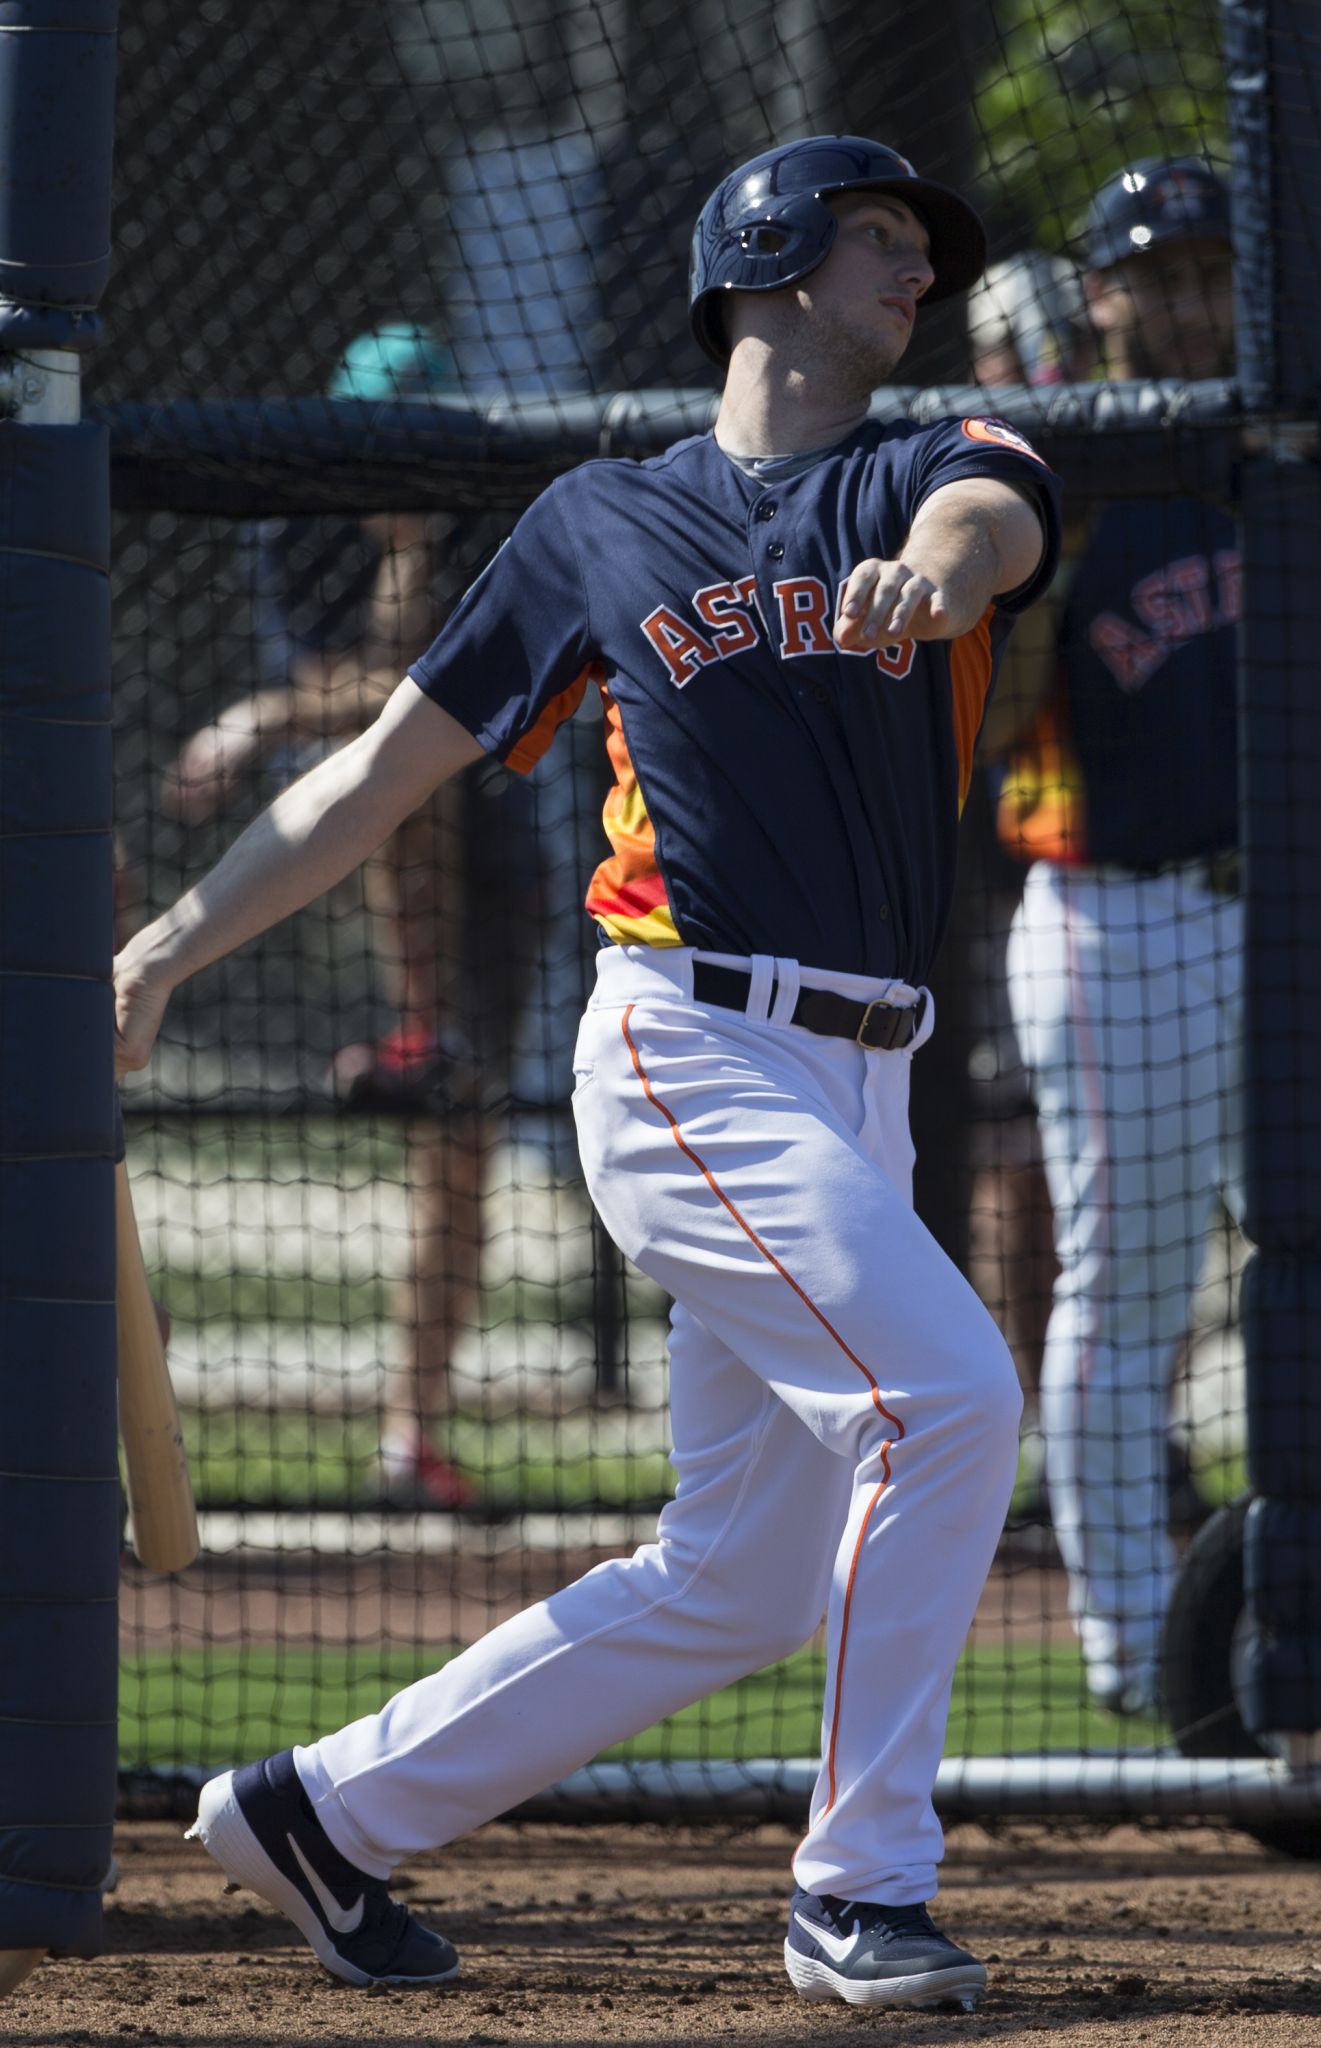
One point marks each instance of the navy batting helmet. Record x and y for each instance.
(768, 224)
(1162, 199)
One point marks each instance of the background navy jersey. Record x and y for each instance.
(1133, 762)
(772, 793)
(1147, 649)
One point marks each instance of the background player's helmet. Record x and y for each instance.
(1162, 199)
(768, 224)
(398, 361)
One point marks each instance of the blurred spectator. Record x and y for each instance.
(343, 606)
(1027, 323)
(1124, 957)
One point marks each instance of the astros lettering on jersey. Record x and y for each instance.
(699, 602)
(1146, 675)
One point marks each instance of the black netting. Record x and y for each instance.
(355, 1170)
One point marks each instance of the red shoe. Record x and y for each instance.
(407, 1069)
(430, 1481)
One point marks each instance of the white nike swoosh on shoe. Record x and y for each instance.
(838, 1947)
(344, 1920)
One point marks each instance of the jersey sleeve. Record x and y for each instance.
(513, 659)
(986, 446)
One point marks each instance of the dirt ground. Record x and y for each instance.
(645, 1936)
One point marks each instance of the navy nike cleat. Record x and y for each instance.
(876, 1955)
(259, 1825)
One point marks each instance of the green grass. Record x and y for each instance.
(225, 1703)
(291, 1459)
(196, 1295)
(225, 1147)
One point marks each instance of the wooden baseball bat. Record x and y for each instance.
(15, 1965)
(160, 1493)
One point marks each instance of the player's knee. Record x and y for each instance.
(787, 1634)
(761, 1635)
(983, 1408)
(998, 1390)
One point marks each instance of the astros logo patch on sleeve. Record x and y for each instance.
(1001, 435)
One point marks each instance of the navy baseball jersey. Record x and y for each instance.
(772, 793)
(1135, 761)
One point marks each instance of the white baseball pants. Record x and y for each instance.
(844, 1416)
(1126, 997)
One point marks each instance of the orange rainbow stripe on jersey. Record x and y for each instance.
(970, 665)
(627, 895)
(1042, 812)
(525, 755)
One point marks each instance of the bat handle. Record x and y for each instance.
(15, 1965)
(160, 1493)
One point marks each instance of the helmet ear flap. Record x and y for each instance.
(783, 240)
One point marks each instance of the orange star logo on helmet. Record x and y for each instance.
(1180, 191)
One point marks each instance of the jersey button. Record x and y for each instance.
(883, 912)
(767, 509)
(821, 693)
(775, 550)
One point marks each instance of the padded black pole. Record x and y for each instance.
(1274, 69)
(59, 1485)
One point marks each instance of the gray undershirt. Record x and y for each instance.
(779, 469)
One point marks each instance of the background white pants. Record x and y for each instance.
(1126, 998)
(844, 1419)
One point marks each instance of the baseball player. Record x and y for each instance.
(793, 624)
(1124, 958)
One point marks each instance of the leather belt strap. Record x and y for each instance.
(878, 1026)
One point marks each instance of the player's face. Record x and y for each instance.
(1174, 309)
(860, 304)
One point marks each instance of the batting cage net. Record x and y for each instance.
(381, 274)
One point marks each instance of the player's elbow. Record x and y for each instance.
(1019, 540)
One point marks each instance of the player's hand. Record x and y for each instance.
(141, 996)
(886, 601)
(208, 773)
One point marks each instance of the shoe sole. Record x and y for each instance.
(961, 1985)
(226, 1836)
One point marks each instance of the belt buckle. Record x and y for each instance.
(886, 1043)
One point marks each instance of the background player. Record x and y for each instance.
(1124, 961)
(342, 607)
(1027, 325)
(793, 624)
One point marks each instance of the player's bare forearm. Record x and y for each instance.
(316, 832)
(972, 541)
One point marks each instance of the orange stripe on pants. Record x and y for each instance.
(831, 1331)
